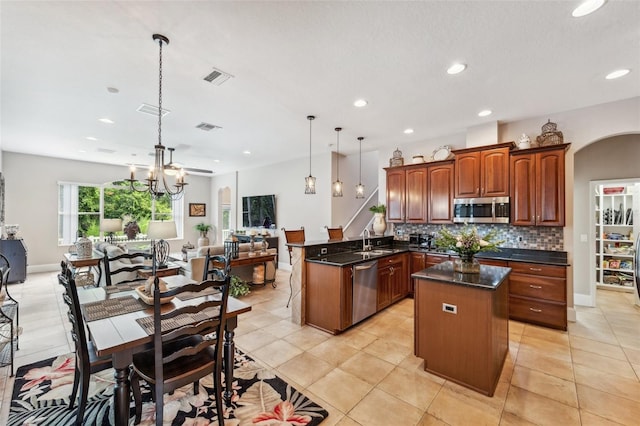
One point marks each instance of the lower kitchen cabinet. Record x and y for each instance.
(417, 262)
(393, 280)
(329, 297)
(538, 294)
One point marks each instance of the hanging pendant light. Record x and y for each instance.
(156, 183)
(360, 186)
(310, 181)
(337, 185)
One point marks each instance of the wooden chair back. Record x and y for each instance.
(131, 265)
(335, 233)
(199, 341)
(70, 297)
(293, 236)
(216, 267)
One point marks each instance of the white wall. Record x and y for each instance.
(31, 196)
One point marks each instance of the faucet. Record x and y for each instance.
(365, 246)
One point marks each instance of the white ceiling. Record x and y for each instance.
(289, 60)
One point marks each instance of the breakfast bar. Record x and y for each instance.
(462, 324)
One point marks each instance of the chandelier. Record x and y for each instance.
(156, 181)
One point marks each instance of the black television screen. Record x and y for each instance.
(259, 210)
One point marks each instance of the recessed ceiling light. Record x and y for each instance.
(216, 161)
(246, 152)
(617, 74)
(456, 68)
(112, 90)
(91, 138)
(587, 7)
(408, 131)
(105, 120)
(82, 151)
(484, 113)
(360, 103)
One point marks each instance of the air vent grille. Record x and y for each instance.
(151, 110)
(218, 77)
(207, 127)
(106, 150)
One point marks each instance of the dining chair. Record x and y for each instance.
(87, 362)
(123, 267)
(292, 236)
(9, 327)
(335, 234)
(212, 270)
(184, 353)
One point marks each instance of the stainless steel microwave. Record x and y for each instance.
(481, 210)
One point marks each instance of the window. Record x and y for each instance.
(81, 207)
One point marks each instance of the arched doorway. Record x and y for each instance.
(224, 212)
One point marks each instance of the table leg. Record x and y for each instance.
(121, 390)
(229, 358)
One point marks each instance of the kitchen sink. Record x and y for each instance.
(376, 252)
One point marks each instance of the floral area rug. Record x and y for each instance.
(41, 397)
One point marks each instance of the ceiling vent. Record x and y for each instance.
(217, 77)
(106, 150)
(151, 110)
(207, 127)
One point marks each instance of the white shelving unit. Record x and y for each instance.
(616, 228)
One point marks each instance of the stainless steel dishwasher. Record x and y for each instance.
(365, 290)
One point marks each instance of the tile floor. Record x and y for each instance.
(369, 376)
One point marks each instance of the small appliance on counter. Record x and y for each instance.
(423, 241)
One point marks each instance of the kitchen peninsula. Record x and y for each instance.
(462, 324)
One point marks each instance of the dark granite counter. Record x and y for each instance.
(490, 277)
(548, 257)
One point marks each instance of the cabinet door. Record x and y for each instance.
(494, 172)
(550, 188)
(417, 262)
(467, 175)
(415, 193)
(440, 193)
(346, 299)
(395, 195)
(523, 189)
(434, 259)
(399, 278)
(384, 287)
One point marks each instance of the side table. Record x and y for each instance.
(171, 269)
(91, 263)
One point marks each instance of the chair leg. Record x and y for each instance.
(217, 388)
(84, 391)
(74, 391)
(137, 396)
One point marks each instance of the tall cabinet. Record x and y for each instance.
(16, 253)
(616, 229)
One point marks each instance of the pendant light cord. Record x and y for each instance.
(160, 97)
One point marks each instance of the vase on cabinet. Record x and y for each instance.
(379, 224)
(203, 240)
(466, 264)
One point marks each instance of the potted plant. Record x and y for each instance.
(237, 287)
(379, 222)
(203, 228)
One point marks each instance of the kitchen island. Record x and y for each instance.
(462, 324)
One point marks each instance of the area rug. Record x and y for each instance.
(41, 397)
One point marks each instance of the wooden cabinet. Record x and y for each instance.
(417, 262)
(434, 259)
(481, 172)
(440, 179)
(538, 294)
(16, 253)
(537, 186)
(420, 193)
(328, 297)
(393, 283)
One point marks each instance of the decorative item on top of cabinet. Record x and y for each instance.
(397, 159)
(550, 135)
(482, 171)
(537, 186)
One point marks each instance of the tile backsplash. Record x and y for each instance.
(527, 237)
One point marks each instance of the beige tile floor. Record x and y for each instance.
(369, 376)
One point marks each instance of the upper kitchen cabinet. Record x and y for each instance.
(482, 172)
(420, 193)
(537, 186)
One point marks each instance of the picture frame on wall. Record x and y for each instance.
(197, 209)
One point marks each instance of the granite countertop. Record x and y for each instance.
(547, 257)
(355, 257)
(489, 278)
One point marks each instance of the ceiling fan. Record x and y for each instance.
(173, 167)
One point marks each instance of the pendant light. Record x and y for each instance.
(360, 186)
(310, 181)
(337, 185)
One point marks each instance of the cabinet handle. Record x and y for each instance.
(535, 310)
(535, 286)
(535, 269)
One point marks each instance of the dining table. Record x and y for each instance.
(119, 334)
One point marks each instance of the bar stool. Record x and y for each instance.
(335, 234)
(292, 236)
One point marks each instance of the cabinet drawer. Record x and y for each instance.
(538, 312)
(538, 287)
(538, 269)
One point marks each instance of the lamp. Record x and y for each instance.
(156, 182)
(337, 185)
(110, 226)
(360, 186)
(160, 230)
(310, 181)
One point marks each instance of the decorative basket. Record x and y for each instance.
(550, 135)
(84, 248)
(397, 159)
(84, 278)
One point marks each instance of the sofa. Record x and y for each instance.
(113, 250)
(194, 266)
